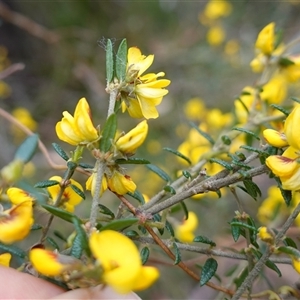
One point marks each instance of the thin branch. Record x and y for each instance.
(11, 69)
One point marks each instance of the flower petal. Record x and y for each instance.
(281, 165)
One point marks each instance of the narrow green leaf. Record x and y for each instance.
(295, 99)
(59, 150)
(290, 251)
(78, 191)
(247, 132)
(186, 211)
(137, 196)
(204, 240)
(226, 139)
(82, 235)
(59, 235)
(208, 271)
(142, 229)
(285, 61)
(290, 242)
(36, 227)
(60, 213)
(14, 250)
(177, 153)
(170, 228)
(27, 149)
(52, 242)
(76, 249)
(221, 162)
(186, 174)
(235, 230)
(162, 174)
(132, 161)
(46, 183)
(119, 224)
(273, 267)
(170, 189)
(252, 189)
(132, 233)
(145, 252)
(85, 166)
(177, 254)
(108, 133)
(109, 61)
(121, 61)
(280, 108)
(106, 211)
(244, 225)
(242, 102)
(252, 149)
(286, 194)
(204, 134)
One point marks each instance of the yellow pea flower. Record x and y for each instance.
(291, 128)
(292, 72)
(18, 196)
(275, 90)
(266, 39)
(296, 263)
(78, 129)
(50, 263)
(121, 184)
(143, 92)
(5, 259)
(217, 9)
(185, 231)
(275, 138)
(215, 35)
(266, 235)
(90, 184)
(69, 198)
(15, 223)
(121, 262)
(133, 139)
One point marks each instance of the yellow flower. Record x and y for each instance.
(143, 92)
(195, 109)
(215, 35)
(292, 72)
(266, 235)
(133, 139)
(69, 198)
(121, 262)
(5, 259)
(217, 9)
(18, 196)
(78, 129)
(258, 63)
(50, 263)
(296, 263)
(121, 184)
(15, 223)
(275, 90)
(266, 39)
(291, 128)
(275, 138)
(90, 184)
(185, 231)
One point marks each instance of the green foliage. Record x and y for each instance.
(208, 271)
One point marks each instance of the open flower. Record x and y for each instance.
(15, 223)
(78, 129)
(129, 142)
(69, 197)
(120, 184)
(143, 92)
(266, 39)
(90, 184)
(121, 262)
(185, 231)
(18, 196)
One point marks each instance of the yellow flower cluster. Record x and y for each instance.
(185, 231)
(117, 259)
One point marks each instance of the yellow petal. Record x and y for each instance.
(147, 276)
(291, 127)
(5, 259)
(281, 166)
(275, 138)
(91, 184)
(18, 196)
(121, 184)
(266, 38)
(134, 108)
(137, 61)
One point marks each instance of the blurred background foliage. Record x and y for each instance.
(205, 54)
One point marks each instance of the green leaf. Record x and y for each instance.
(52, 242)
(177, 153)
(286, 194)
(106, 211)
(177, 254)
(14, 250)
(59, 150)
(78, 191)
(208, 271)
(235, 231)
(85, 166)
(108, 133)
(285, 61)
(170, 228)
(295, 99)
(121, 61)
(132, 233)
(186, 174)
(242, 102)
(59, 235)
(109, 61)
(252, 149)
(46, 183)
(145, 252)
(226, 139)
(60, 213)
(137, 196)
(247, 132)
(162, 174)
(76, 249)
(27, 149)
(243, 225)
(81, 235)
(273, 267)
(290, 242)
(280, 108)
(186, 211)
(204, 240)
(204, 134)
(252, 189)
(290, 251)
(132, 161)
(119, 224)
(170, 189)
(36, 227)
(221, 162)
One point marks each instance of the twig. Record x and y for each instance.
(11, 69)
